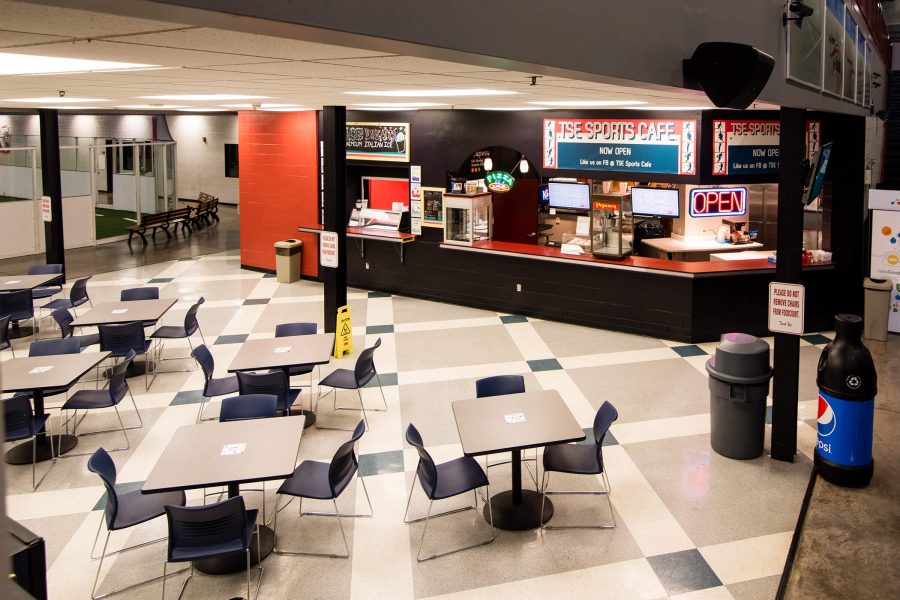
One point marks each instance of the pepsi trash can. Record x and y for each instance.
(847, 386)
(739, 375)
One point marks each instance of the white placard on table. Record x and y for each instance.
(328, 249)
(232, 449)
(786, 302)
(281, 349)
(38, 370)
(119, 311)
(514, 418)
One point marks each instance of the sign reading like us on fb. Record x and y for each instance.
(621, 145)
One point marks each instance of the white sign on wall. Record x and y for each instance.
(786, 302)
(328, 249)
(46, 209)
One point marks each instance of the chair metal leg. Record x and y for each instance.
(37, 482)
(604, 492)
(429, 516)
(200, 412)
(104, 555)
(122, 428)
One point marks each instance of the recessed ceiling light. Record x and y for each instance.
(401, 104)
(512, 108)
(26, 64)
(55, 100)
(669, 108)
(590, 103)
(71, 107)
(152, 106)
(286, 109)
(223, 97)
(204, 110)
(433, 93)
(260, 106)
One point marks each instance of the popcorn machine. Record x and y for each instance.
(612, 226)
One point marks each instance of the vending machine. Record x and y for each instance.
(885, 207)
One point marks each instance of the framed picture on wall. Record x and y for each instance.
(433, 201)
(378, 141)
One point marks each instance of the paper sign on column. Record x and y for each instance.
(46, 209)
(328, 249)
(786, 302)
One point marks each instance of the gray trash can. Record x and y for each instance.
(739, 376)
(878, 307)
(287, 260)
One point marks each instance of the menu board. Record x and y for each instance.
(849, 56)
(378, 141)
(752, 147)
(621, 145)
(433, 199)
(805, 47)
(834, 47)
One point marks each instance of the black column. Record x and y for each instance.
(334, 123)
(787, 270)
(50, 177)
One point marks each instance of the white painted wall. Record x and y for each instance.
(22, 216)
(875, 132)
(123, 193)
(16, 181)
(201, 165)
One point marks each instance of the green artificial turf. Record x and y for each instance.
(12, 199)
(112, 223)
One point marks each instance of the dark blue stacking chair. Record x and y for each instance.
(212, 531)
(212, 386)
(325, 481)
(4, 336)
(107, 398)
(119, 340)
(21, 424)
(443, 481)
(141, 293)
(77, 296)
(581, 459)
(180, 332)
(345, 379)
(291, 329)
(54, 287)
(18, 306)
(274, 383)
(248, 406)
(124, 511)
(500, 385)
(64, 319)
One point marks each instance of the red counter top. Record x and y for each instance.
(635, 263)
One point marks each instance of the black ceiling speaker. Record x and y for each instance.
(732, 75)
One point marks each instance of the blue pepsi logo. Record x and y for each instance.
(827, 419)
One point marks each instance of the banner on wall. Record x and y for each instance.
(624, 145)
(752, 147)
(834, 47)
(849, 56)
(860, 66)
(805, 47)
(378, 141)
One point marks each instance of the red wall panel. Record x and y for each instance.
(279, 185)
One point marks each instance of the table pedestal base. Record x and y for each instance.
(17, 332)
(135, 369)
(518, 517)
(21, 454)
(238, 562)
(310, 417)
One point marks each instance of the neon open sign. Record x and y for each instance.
(718, 202)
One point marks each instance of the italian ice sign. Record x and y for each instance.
(622, 145)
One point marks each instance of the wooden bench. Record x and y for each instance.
(204, 209)
(152, 222)
(180, 216)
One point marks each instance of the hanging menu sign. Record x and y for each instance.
(752, 147)
(378, 141)
(622, 145)
(433, 214)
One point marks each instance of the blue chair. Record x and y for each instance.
(248, 406)
(345, 379)
(212, 386)
(77, 296)
(444, 481)
(119, 340)
(124, 511)
(21, 424)
(110, 397)
(274, 383)
(212, 531)
(54, 287)
(4, 336)
(500, 385)
(293, 329)
(581, 459)
(324, 481)
(18, 306)
(64, 320)
(141, 293)
(179, 332)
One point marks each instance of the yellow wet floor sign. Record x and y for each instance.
(343, 337)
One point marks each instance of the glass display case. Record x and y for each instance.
(611, 225)
(468, 218)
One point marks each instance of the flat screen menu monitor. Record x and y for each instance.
(655, 202)
(574, 196)
(819, 164)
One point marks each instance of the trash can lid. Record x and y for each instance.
(741, 358)
(288, 243)
(877, 284)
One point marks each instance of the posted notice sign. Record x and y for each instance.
(624, 145)
(46, 209)
(786, 301)
(328, 249)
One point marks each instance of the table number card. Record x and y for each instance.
(514, 418)
(38, 370)
(119, 311)
(233, 449)
(282, 349)
(12, 281)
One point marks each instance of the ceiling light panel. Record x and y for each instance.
(589, 103)
(203, 97)
(399, 104)
(26, 64)
(54, 100)
(433, 93)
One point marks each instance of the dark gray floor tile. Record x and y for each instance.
(380, 463)
(377, 294)
(544, 364)
(507, 319)
(121, 488)
(692, 350)
(161, 280)
(815, 338)
(682, 572)
(385, 379)
(376, 329)
(238, 338)
(187, 397)
(251, 301)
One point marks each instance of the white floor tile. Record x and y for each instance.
(748, 559)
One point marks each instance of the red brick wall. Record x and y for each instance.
(278, 154)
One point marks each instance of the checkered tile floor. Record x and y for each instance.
(691, 524)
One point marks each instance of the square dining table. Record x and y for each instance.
(36, 374)
(230, 453)
(512, 423)
(116, 313)
(9, 283)
(284, 353)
